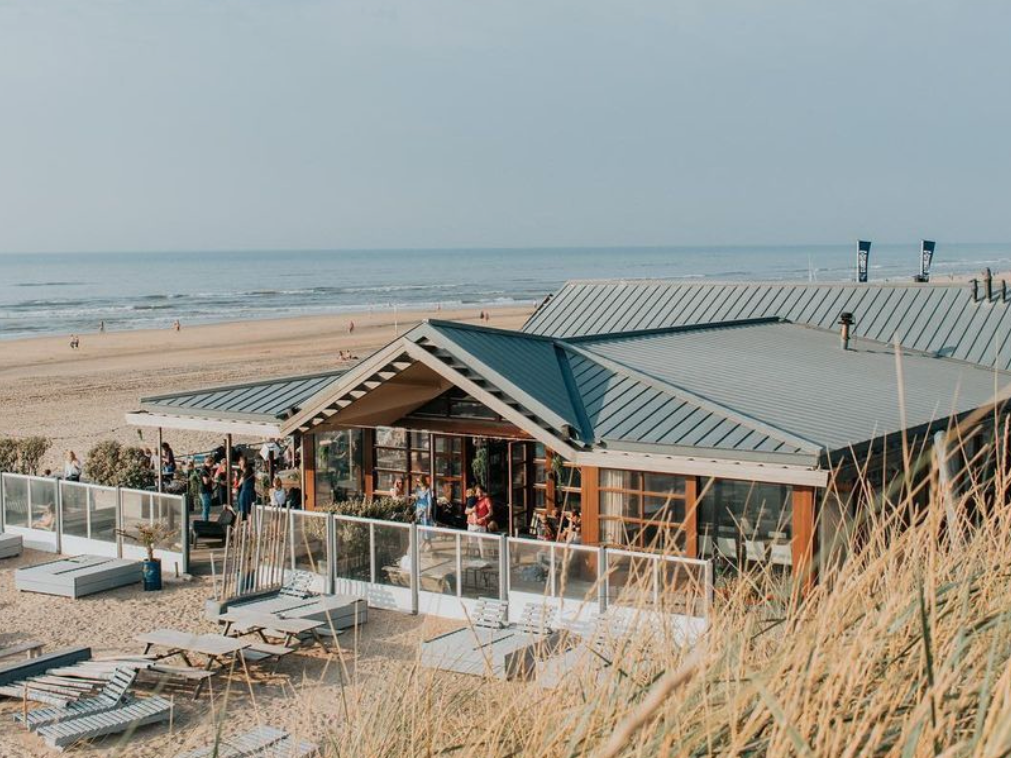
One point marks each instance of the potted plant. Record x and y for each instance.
(149, 535)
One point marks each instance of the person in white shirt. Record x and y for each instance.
(278, 495)
(72, 468)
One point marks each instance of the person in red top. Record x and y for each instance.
(479, 514)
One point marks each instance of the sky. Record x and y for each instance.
(132, 125)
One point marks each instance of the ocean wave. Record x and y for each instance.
(49, 284)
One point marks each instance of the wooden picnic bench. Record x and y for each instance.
(268, 625)
(214, 647)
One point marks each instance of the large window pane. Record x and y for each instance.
(75, 509)
(352, 558)
(338, 466)
(389, 458)
(480, 565)
(393, 554)
(529, 566)
(43, 499)
(16, 501)
(390, 437)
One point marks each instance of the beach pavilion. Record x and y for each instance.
(713, 420)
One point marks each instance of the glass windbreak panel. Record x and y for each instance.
(480, 565)
(352, 558)
(43, 499)
(630, 579)
(169, 512)
(529, 566)
(75, 509)
(338, 466)
(393, 554)
(309, 537)
(104, 504)
(683, 588)
(136, 512)
(437, 561)
(16, 501)
(576, 572)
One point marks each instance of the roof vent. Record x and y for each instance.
(847, 323)
(988, 283)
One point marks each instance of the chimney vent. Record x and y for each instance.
(988, 283)
(847, 323)
(975, 290)
(1003, 290)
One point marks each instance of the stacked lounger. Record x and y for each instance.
(262, 742)
(10, 545)
(79, 576)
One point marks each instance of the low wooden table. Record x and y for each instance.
(252, 622)
(214, 646)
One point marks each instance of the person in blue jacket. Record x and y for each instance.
(247, 491)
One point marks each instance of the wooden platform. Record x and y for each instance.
(10, 545)
(77, 577)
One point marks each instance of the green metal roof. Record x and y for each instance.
(272, 400)
(935, 318)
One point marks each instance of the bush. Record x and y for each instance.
(23, 456)
(384, 508)
(115, 465)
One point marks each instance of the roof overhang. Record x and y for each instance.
(241, 427)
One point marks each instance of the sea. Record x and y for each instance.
(67, 293)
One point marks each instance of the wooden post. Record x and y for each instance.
(369, 462)
(804, 538)
(228, 469)
(308, 472)
(590, 512)
(549, 483)
(691, 524)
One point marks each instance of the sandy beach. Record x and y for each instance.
(78, 397)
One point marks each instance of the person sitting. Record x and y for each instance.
(47, 520)
(168, 460)
(278, 495)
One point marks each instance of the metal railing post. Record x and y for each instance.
(3, 505)
(503, 568)
(372, 553)
(656, 582)
(602, 579)
(415, 570)
(119, 522)
(331, 554)
(59, 517)
(459, 568)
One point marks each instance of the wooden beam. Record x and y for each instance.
(590, 511)
(804, 539)
(309, 472)
(369, 462)
(691, 524)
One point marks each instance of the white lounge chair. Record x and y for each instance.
(262, 742)
(109, 697)
(152, 710)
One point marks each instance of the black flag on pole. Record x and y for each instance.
(863, 257)
(926, 256)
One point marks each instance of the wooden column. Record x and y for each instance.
(591, 505)
(369, 462)
(308, 455)
(228, 470)
(550, 484)
(804, 538)
(691, 524)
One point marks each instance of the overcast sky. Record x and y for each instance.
(211, 124)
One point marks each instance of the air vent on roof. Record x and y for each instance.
(846, 322)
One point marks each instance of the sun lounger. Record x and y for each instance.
(490, 646)
(78, 576)
(135, 714)
(32, 647)
(590, 659)
(10, 545)
(262, 742)
(109, 697)
(186, 678)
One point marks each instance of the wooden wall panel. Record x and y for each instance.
(590, 505)
(804, 537)
(308, 453)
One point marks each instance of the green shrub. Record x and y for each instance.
(115, 465)
(8, 455)
(31, 451)
(383, 508)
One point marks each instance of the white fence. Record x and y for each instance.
(74, 518)
(444, 571)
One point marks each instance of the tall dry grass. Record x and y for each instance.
(902, 650)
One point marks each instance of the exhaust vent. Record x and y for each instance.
(846, 323)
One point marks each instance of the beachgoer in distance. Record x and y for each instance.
(72, 468)
(351, 327)
(278, 495)
(176, 325)
(101, 327)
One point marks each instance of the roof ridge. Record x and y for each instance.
(496, 330)
(700, 401)
(703, 282)
(677, 328)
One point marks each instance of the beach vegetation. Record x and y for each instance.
(148, 536)
(113, 464)
(23, 455)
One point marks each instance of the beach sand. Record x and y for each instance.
(304, 696)
(78, 397)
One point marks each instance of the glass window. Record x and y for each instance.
(338, 466)
(643, 510)
(753, 510)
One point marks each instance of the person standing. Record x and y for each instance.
(206, 489)
(72, 468)
(168, 460)
(278, 495)
(247, 491)
(192, 485)
(479, 514)
(423, 503)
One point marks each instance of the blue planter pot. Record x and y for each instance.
(152, 575)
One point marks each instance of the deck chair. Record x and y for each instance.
(213, 530)
(137, 713)
(109, 697)
(592, 656)
(262, 742)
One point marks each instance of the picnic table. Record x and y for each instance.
(261, 623)
(214, 646)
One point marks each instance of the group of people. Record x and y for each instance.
(209, 485)
(478, 507)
